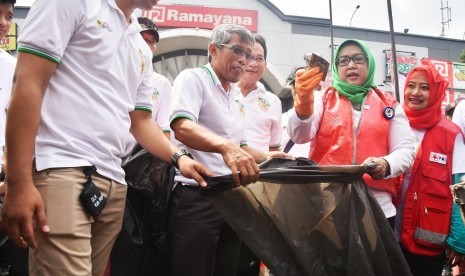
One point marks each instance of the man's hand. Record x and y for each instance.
(277, 154)
(381, 170)
(239, 161)
(305, 82)
(22, 204)
(193, 169)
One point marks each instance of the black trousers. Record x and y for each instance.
(424, 265)
(200, 242)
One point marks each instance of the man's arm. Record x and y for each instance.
(202, 139)
(151, 138)
(23, 202)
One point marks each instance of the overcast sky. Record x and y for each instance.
(419, 16)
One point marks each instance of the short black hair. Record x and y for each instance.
(261, 40)
(13, 2)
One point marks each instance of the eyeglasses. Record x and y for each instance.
(258, 59)
(238, 50)
(357, 59)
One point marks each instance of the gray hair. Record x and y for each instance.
(222, 34)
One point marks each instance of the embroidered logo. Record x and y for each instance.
(104, 25)
(241, 108)
(263, 104)
(438, 158)
(155, 94)
(142, 61)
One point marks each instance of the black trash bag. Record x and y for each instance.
(141, 246)
(311, 220)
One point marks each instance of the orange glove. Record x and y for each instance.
(305, 82)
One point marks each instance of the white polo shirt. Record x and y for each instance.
(7, 70)
(198, 96)
(263, 119)
(103, 73)
(161, 97)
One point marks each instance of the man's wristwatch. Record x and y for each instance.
(177, 155)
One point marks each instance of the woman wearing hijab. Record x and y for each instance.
(353, 122)
(429, 235)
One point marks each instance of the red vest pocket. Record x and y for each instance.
(432, 229)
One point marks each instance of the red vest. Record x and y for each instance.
(337, 144)
(428, 201)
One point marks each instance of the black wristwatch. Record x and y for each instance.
(177, 155)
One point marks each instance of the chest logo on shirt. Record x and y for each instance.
(438, 158)
(142, 61)
(155, 94)
(241, 108)
(104, 25)
(263, 104)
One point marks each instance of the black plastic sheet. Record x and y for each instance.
(303, 219)
(141, 246)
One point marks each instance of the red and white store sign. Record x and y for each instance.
(180, 16)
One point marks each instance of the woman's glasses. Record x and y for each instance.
(357, 59)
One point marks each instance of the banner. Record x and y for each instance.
(452, 72)
(459, 75)
(182, 16)
(405, 63)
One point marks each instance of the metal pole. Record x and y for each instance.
(356, 8)
(331, 31)
(394, 53)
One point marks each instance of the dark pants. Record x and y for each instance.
(201, 243)
(424, 265)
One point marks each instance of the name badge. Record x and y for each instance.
(389, 113)
(438, 158)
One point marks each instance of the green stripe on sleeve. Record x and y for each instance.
(39, 53)
(180, 117)
(143, 108)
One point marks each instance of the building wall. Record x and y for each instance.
(290, 37)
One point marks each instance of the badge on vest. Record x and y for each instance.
(389, 112)
(438, 158)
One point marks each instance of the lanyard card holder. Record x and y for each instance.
(91, 197)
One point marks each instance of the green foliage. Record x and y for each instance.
(462, 56)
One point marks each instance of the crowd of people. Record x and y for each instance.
(82, 94)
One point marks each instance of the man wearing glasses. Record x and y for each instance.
(208, 119)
